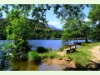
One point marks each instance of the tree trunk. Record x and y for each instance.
(86, 39)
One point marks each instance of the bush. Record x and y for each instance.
(34, 56)
(78, 43)
(42, 50)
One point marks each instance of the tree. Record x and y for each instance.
(94, 15)
(3, 24)
(71, 30)
(65, 11)
(85, 30)
(73, 17)
(19, 30)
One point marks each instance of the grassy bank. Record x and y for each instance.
(82, 55)
(42, 53)
(51, 54)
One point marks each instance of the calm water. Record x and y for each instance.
(54, 44)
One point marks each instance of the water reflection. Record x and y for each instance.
(46, 67)
(23, 66)
(31, 66)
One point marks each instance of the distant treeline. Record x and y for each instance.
(39, 30)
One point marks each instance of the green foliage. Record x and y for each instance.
(42, 50)
(69, 10)
(18, 31)
(3, 24)
(38, 30)
(34, 56)
(0, 45)
(71, 30)
(4, 57)
(94, 15)
(20, 34)
(49, 55)
(86, 30)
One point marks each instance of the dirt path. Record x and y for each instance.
(63, 53)
(96, 54)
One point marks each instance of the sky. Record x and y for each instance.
(53, 20)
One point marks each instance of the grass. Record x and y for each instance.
(51, 54)
(82, 56)
(37, 57)
(34, 56)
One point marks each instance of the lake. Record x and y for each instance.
(54, 44)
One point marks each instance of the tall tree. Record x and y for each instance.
(73, 17)
(19, 30)
(71, 30)
(85, 30)
(94, 15)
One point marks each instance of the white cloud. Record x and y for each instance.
(86, 19)
(56, 24)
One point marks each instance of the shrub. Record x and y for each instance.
(78, 43)
(42, 50)
(34, 56)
